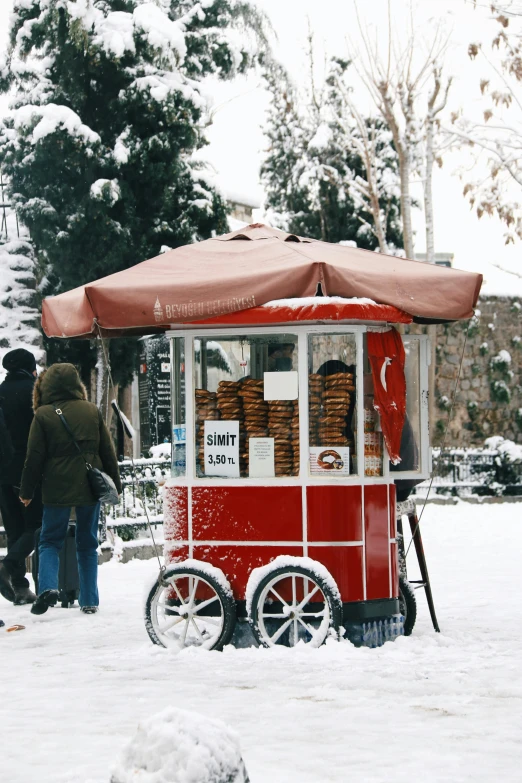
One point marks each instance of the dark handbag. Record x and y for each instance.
(102, 486)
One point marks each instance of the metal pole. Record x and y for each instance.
(421, 558)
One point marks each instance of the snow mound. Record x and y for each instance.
(161, 451)
(177, 746)
(306, 301)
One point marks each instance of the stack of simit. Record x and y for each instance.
(315, 401)
(206, 410)
(255, 411)
(336, 403)
(280, 415)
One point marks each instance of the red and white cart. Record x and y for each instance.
(281, 509)
(282, 506)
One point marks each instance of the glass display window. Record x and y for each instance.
(332, 404)
(411, 440)
(246, 406)
(373, 438)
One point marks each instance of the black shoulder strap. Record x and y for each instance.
(69, 430)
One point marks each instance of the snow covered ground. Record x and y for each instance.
(427, 708)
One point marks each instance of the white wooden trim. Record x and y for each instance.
(302, 332)
(286, 328)
(189, 525)
(189, 408)
(205, 542)
(302, 356)
(424, 446)
(389, 549)
(221, 482)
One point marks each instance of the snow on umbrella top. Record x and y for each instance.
(248, 268)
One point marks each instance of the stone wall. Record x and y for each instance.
(489, 400)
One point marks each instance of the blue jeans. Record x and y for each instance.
(54, 529)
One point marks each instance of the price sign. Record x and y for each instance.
(261, 457)
(222, 448)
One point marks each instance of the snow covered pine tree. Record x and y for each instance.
(314, 173)
(107, 115)
(19, 316)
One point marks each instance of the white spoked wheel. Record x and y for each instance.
(292, 605)
(192, 607)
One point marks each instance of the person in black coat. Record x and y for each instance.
(20, 524)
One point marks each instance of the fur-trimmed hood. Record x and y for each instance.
(60, 382)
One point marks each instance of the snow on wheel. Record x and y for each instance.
(192, 607)
(407, 605)
(292, 600)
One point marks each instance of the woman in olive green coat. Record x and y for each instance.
(53, 461)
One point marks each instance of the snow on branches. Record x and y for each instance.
(19, 315)
(403, 77)
(495, 139)
(106, 116)
(326, 176)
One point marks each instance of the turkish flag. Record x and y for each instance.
(386, 355)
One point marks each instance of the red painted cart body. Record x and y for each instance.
(350, 529)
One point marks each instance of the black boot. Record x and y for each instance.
(44, 601)
(24, 595)
(6, 587)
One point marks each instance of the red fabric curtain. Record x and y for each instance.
(386, 355)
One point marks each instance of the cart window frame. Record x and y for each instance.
(303, 331)
(284, 335)
(424, 352)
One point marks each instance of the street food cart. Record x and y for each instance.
(292, 420)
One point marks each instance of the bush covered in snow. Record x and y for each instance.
(176, 746)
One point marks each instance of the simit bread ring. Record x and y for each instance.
(336, 393)
(336, 375)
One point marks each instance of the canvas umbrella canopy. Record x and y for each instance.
(245, 269)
